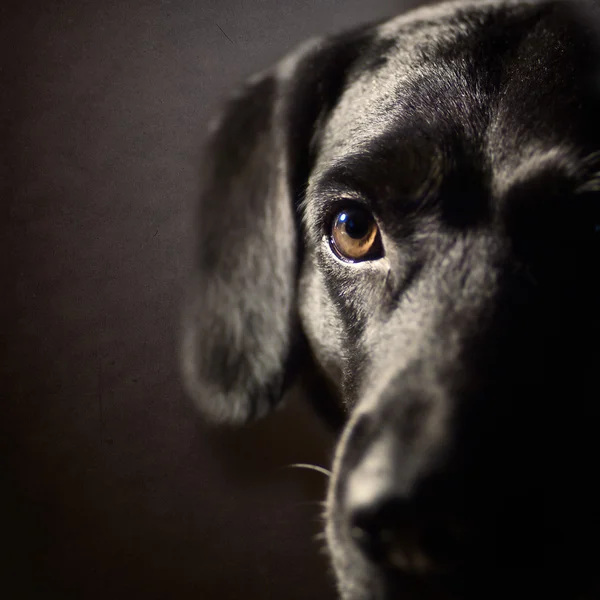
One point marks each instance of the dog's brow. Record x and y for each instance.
(403, 158)
(386, 173)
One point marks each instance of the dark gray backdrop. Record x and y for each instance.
(110, 486)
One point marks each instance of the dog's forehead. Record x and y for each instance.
(400, 52)
(498, 76)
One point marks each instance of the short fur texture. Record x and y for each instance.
(464, 360)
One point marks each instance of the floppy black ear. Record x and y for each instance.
(240, 324)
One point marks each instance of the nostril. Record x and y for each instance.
(394, 534)
(389, 535)
(379, 529)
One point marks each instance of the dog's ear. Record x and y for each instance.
(240, 323)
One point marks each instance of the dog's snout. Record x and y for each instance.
(401, 520)
(396, 534)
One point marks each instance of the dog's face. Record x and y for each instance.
(410, 212)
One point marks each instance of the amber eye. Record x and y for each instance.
(354, 235)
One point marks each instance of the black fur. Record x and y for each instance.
(464, 358)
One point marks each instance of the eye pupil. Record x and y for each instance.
(357, 224)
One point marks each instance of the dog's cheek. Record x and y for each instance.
(321, 322)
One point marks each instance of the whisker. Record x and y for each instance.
(316, 468)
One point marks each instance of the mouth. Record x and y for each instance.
(481, 583)
(487, 572)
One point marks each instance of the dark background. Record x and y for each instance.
(110, 485)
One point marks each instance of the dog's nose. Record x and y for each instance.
(398, 513)
(396, 533)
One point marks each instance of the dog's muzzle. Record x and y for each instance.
(398, 512)
(417, 495)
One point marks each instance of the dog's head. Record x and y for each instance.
(410, 210)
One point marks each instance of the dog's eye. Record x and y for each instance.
(354, 235)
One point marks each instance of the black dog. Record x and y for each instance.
(409, 211)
